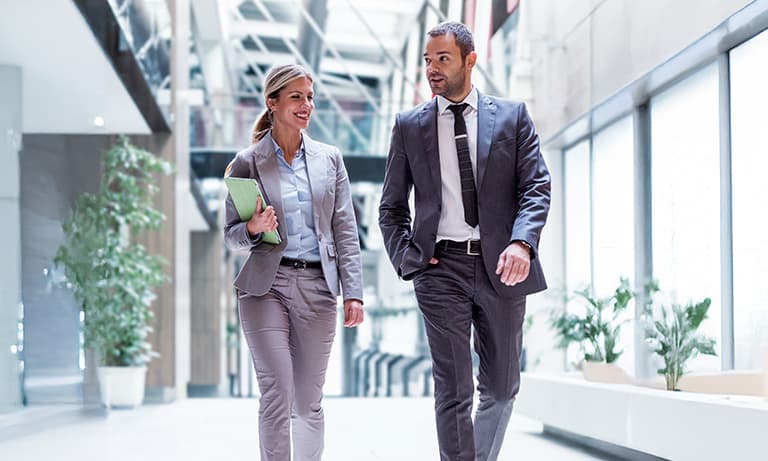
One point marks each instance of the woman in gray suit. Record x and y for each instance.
(288, 291)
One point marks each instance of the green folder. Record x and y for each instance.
(244, 192)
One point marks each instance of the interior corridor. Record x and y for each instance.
(394, 429)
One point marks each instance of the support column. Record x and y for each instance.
(309, 42)
(168, 375)
(161, 375)
(727, 351)
(207, 344)
(643, 231)
(10, 236)
(180, 14)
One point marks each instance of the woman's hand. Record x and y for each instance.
(263, 220)
(353, 312)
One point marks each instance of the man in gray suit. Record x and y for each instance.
(482, 194)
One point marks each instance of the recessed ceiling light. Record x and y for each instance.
(98, 121)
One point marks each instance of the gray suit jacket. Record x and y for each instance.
(334, 219)
(513, 187)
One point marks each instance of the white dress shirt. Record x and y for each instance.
(452, 225)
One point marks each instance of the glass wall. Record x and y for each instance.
(613, 206)
(614, 218)
(686, 199)
(578, 227)
(685, 182)
(749, 98)
(578, 246)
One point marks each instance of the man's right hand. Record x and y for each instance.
(263, 220)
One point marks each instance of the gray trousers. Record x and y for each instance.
(290, 331)
(454, 295)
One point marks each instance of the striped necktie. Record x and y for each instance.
(468, 191)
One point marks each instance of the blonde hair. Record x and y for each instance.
(278, 78)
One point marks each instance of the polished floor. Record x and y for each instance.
(226, 429)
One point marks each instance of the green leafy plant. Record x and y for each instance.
(673, 334)
(597, 329)
(112, 276)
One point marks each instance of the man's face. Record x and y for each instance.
(447, 73)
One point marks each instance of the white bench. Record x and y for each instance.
(679, 426)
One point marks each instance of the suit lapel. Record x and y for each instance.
(486, 118)
(428, 128)
(265, 162)
(317, 172)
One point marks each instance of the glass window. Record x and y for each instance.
(614, 219)
(686, 197)
(578, 247)
(613, 206)
(749, 98)
(578, 267)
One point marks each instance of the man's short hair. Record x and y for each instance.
(460, 33)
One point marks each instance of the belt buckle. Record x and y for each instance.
(300, 264)
(469, 249)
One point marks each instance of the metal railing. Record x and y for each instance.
(230, 128)
(146, 26)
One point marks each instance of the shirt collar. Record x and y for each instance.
(471, 100)
(279, 150)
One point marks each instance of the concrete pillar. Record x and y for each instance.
(644, 362)
(180, 17)
(10, 235)
(206, 274)
(161, 375)
(310, 43)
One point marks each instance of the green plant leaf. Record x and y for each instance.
(113, 278)
(672, 333)
(598, 328)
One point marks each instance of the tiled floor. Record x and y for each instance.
(226, 429)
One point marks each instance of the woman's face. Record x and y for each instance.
(293, 106)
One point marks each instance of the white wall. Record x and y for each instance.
(584, 51)
(67, 79)
(56, 170)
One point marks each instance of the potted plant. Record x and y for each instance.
(673, 334)
(596, 330)
(112, 276)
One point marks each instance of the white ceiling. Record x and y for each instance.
(67, 81)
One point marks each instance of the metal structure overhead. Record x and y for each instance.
(349, 55)
(365, 57)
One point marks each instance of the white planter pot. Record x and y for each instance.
(122, 386)
(602, 372)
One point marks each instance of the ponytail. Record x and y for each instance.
(262, 126)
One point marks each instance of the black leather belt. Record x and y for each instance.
(469, 247)
(300, 263)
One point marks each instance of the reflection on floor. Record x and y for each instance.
(226, 429)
